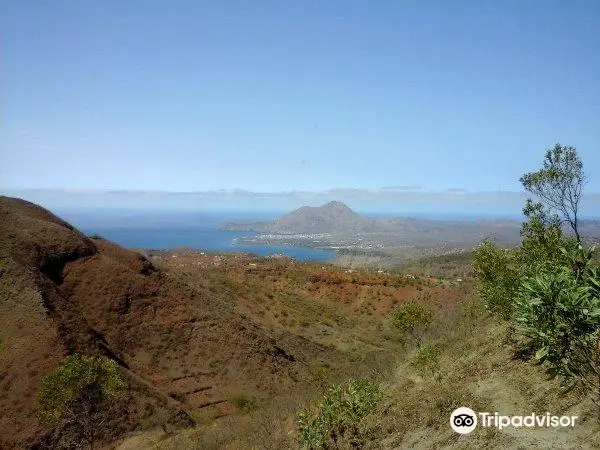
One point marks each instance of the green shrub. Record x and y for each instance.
(499, 273)
(79, 390)
(411, 318)
(549, 285)
(542, 236)
(498, 276)
(339, 416)
(558, 310)
(426, 360)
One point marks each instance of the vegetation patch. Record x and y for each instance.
(426, 360)
(78, 393)
(243, 401)
(338, 418)
(411, 318)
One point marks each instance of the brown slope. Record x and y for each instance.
(182, 349)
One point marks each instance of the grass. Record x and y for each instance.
(466, 358)
(426, 360)
(243, 401)
(474, 367)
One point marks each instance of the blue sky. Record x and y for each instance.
(276, 96)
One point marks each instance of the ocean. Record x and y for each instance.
(209, 240)
(172, 229)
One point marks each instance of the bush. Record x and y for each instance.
(549, 285)
(499, 273)
(339, 416)
(558, 310)
(426, 360)
(542, 236)
(498, 276)
(79, 390)
(411, 318)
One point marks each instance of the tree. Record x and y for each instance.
(550, 285)
(78, 393)
(413, 318)
(498, 276)
(542, 235)
(426, 360)
(559, 184)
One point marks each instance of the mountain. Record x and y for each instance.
(333, 217)
(336, 218)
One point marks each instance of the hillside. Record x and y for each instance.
(180, 346)
(221, 351)
(480, 366)
(480, 363)
(191, 332)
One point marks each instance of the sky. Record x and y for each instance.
(280, 96)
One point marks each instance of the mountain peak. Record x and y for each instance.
(333, 217)
(336, 205)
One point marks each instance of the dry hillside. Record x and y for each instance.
(190, 331)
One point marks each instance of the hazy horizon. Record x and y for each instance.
(246, 205)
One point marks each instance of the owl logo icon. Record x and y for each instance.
(463, 420)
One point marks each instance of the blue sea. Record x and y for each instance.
(176, 229)
(210, 240)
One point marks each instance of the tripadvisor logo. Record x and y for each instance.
(464, 420)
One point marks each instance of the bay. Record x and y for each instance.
(209, 240)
